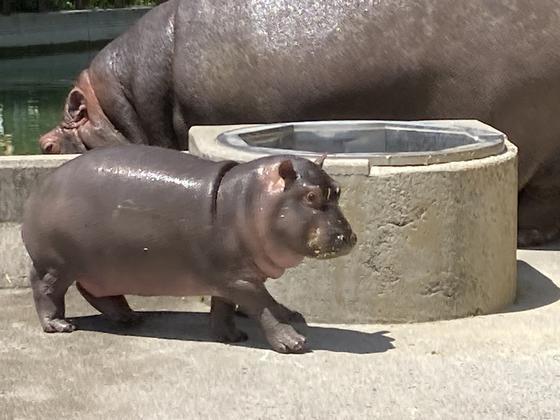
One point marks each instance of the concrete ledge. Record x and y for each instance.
(434, 242)
(18, 174)
(14, 261)
(32, 29)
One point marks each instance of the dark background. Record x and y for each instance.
(26, 6)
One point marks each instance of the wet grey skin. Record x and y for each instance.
(149, 221)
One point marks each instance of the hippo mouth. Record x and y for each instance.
(338, 246)
(329, 254)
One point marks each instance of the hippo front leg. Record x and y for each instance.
(222, 324)
(261, 306)
(282, 314)
(287, 316)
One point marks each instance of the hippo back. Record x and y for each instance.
(122, 200)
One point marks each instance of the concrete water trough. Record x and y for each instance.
(434, 205)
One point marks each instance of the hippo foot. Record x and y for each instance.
(285, 339)
(58, 325)
(535, 237)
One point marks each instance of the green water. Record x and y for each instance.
(32, 94)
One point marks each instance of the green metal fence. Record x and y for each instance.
(26, 6)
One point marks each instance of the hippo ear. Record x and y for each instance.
(75, 109)
(287, 172)
(320, 160)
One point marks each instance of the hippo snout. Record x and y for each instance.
(333, 242)
(61, 140)
(342, 242)
(345, 241)
(50, 142)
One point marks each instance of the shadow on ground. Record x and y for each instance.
(534, 289)
(550, 246)
(193, 326)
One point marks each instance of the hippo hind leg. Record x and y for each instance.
(113, 307)
(48, 293)
(539, 216)
(222, 323)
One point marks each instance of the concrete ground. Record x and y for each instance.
(502, 366)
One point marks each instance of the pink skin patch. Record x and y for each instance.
(272, 258)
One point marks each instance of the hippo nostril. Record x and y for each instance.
(50, 147)
(353, 239)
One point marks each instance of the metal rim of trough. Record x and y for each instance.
(480, 140)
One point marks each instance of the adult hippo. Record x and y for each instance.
(219, 62)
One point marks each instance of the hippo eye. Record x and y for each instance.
(311, 197)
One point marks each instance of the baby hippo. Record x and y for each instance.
(149, 221)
